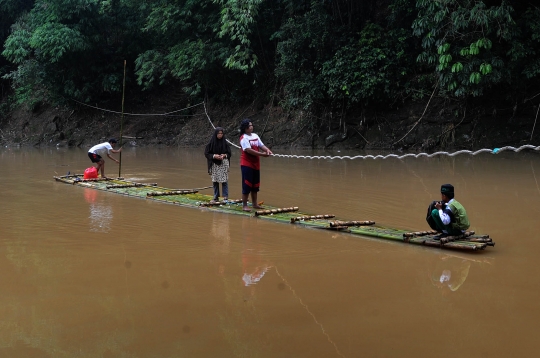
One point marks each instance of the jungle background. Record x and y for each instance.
(393, 74)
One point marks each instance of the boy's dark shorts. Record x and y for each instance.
(95, 158)
(251, 180)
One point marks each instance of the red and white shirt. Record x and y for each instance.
(254, 142)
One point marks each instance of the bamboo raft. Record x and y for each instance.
(192, 198)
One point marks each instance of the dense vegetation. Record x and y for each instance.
(316, 55)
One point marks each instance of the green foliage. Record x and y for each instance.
(370, 69)
(237, 20)
(303, 44)
(525, 50)
(78, 45)
(458, 37)
(311, 54)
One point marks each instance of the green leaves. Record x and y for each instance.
(369, 70)
(461, 34)
(53, 40)
(237, 18)
(456, 67)
(485, 68)
(474, 78)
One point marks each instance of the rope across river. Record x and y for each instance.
(418, 155)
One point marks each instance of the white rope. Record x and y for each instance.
(485, 150)
(139, 114)
(213, 126)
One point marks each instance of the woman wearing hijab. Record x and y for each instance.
(218, 154)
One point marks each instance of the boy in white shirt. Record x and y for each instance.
(96, 152)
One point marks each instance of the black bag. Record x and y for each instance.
(429, 219)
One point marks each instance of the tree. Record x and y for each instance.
(465, 43)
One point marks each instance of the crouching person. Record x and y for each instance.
(447, 216)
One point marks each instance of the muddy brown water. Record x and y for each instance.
(86, 273)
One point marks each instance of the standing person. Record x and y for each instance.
(218, 154)
(447, 216)
(99, 150)
(252, 149)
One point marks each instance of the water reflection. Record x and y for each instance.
(449, 272)
(220, 233)
(100, 214)
(254, 265)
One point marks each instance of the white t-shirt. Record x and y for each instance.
(101, 149)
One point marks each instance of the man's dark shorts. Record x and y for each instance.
(251, 180)
(95, 158)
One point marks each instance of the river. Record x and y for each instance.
(86, 273)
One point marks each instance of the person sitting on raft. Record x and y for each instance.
(448, 216)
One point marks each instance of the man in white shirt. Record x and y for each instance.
(96, 152)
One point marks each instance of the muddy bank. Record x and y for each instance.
(443, 126)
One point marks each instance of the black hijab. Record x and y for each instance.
(217, 146)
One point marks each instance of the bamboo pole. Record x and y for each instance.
(96, 179)
(206, 187)
(218, 203)
(176, 192)
(122, 120)
(312, 217)
(134, 185)
(351, 223)
(276, 211)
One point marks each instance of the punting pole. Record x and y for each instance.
(122, 120)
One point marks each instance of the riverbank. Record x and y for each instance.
(414, 127)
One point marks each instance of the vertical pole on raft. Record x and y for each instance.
(122, 120)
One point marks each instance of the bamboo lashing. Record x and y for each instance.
(218, 203)
(134, 185)
(176, 192)
(276, 211)
(312, 217)
(351, 223)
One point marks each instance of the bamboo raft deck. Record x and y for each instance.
(192, 198)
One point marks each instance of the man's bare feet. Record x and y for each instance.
(257, 207)
(246, 208)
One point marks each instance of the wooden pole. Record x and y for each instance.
(122, 120)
